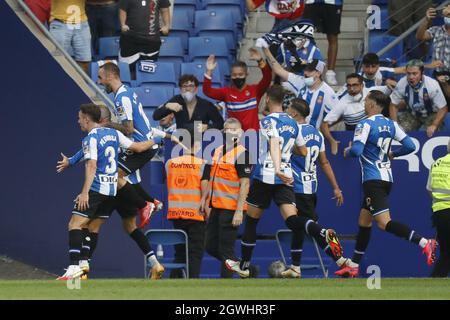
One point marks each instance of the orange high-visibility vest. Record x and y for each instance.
(184, 176)
(225, 179)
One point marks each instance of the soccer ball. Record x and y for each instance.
(276, 268)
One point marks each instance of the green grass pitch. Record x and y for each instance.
(253, 289)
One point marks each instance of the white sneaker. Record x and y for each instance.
(72, 272)
(330, 78)
(291, 272)
(234, 266)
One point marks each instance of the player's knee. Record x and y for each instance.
(382, 224)
(129, 225)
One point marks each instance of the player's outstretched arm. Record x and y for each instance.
(276, 67)
(329, 173)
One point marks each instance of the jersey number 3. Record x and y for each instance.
(110, 153)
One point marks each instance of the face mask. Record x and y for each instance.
(188, 96)
(309, 81)
(447, 21)
(356, 98)
(238, 82)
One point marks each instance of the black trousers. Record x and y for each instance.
(441, 221)
(221, 237)
(196, 240)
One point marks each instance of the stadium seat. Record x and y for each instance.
(284, 237)
(164, 238)
(153, 98)
(201, 47)
(378, 2)
(233, 6)
(219, 24)
(181, 28)
(172, 51)
(182, 10)
(379, 40)
(199, 69)
(163, 76)
(108, 47)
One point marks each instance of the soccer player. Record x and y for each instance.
(273, 180)
(124, 208)
(305, 183)
(100, 149)
(133, 120)
(310, 87)
(372, 145)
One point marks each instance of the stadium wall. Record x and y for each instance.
(38, 116)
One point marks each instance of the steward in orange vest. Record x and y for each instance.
(186, 183)
(227, 190)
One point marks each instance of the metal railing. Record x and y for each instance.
(99, 94)
(405, 34)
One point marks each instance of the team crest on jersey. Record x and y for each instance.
(319, 99)
(358, 131)
(120, 110)
(247, 93)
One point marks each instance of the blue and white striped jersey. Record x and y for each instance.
(304, 168)
(320, 101)
(376, 134)
(380, 77)
(423, 100)
(129, 108)
(307, 53)
(102, 145)
(277, 125)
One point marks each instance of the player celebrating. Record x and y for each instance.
(372, 144)
(273, 180)
(134, 122)
(305, 183)
(124, 208)
(100, 148)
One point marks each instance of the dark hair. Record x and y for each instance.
(301, 106)
(111, 68)
(370, 58)
(187, 78)
(105, 113)
(239, 64)
(381, 100)
(92, 111)
(416, 63)
(276, 93)
(355, 76)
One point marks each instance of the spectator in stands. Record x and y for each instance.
(188, 108)
(70, 28)
(40, 8)
(186, 184)
(141, 29)
(425, 102)
(242, 99)
(103, 19)
(440, 35)
(326, 15)
(374, 75)
(310, 87)
(350, 108)
(299, 48)
(285, 12)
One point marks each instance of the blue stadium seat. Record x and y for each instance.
(151, 97)
(378, 2)
(172, 51)
(199, 69)
(379, 40)
(188, 11)
(216, 23)
(181, 28)
(201, 47)
(163, 76)
(233, 6)
(108, 47)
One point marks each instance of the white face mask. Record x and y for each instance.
(188, 96)
(309, 81)
(447, 21)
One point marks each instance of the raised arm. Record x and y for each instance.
(276, 67)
